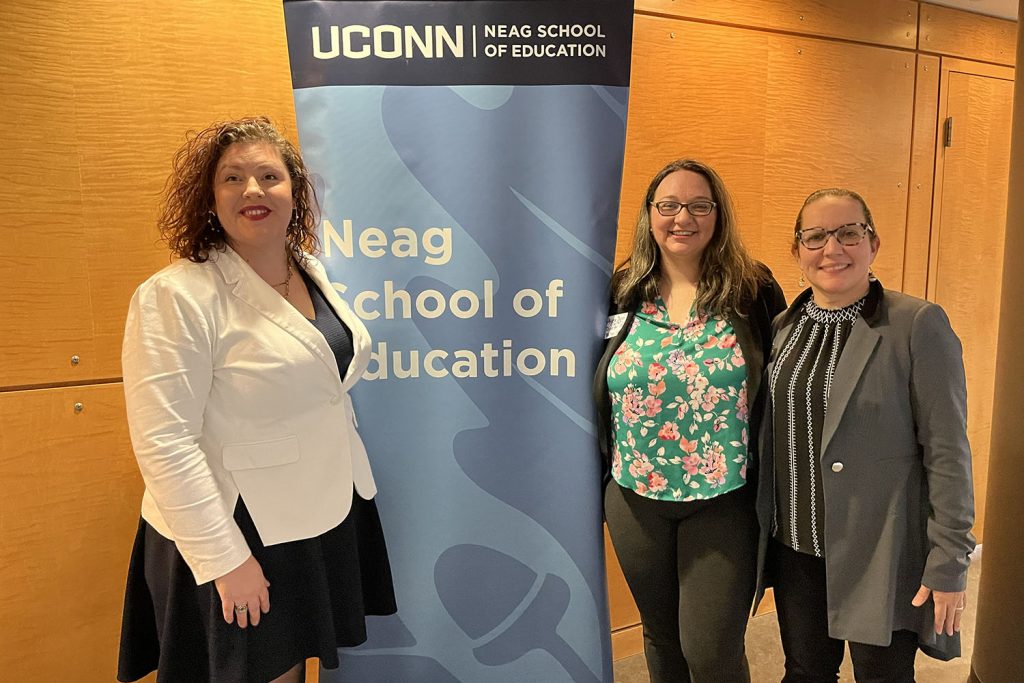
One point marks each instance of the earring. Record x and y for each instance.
(211, 221)
(871, 276)
(801, 282)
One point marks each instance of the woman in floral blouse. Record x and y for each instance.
(677, 392)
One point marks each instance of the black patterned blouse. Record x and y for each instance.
(799, 386)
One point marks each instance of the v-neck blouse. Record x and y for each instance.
(679, 407)
(333, 328)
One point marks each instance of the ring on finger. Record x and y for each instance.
(241, 609)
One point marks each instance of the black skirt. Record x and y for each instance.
(320, 591)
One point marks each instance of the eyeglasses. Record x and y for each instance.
(848, 235)
(699, 208)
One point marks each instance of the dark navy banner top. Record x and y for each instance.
(459, 42)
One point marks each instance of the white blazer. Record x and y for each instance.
(231, 391)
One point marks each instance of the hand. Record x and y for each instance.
(243, 593)
(949, 608)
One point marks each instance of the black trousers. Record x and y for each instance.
(691, 569)
(812, 656)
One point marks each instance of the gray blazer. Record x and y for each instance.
(895, 469)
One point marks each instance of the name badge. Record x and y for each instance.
(615, 323)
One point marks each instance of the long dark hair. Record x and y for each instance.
(728, 276)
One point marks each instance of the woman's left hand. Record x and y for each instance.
(949, 608)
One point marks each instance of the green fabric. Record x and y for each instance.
(679, 407)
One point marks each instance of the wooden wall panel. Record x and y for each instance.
(922, 173)
(135, 98)
(952, 32)
(99, 96)
(839, 115)
(709, 109)
(627, 638)
(967, 240)
(623, 611)
(882, 22)
(69, 511)
(46, 309)
(778, 117)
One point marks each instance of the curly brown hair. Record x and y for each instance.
(187, 221)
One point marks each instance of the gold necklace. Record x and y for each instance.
(287, 281)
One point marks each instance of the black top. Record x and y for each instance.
(334, 330)
(799, 387)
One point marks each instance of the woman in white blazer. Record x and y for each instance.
(259, 544)
(865, 497)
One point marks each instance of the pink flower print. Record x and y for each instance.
(669, 432)
(625, 357)
(656, 371)
(641, 488)
(683, 409)
(675, 360)
(691, 463)
(693, 332)
(657, 389)
(652, 406)
(616, 463)
(656, 481)
(715, 394)
(715, 468)
(711, 342)
(742, 411)
(632, 405)
(727, 342)
(695, 396)
(688, 446)
(648, 308)
(640, 467)
(743, 471)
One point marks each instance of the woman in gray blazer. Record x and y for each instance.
(864, 491)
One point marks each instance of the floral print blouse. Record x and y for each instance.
(679, 407)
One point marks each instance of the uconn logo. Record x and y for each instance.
(388, 42)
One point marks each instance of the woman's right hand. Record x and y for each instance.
(244, 593)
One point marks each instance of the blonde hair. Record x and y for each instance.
(728, 276)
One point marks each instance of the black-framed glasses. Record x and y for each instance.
(701, 207)
(848, 235)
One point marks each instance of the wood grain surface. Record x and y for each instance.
(967, 242)
(69, 511)
(881, 22)
(949, 31)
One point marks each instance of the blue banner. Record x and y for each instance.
(468, 158)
